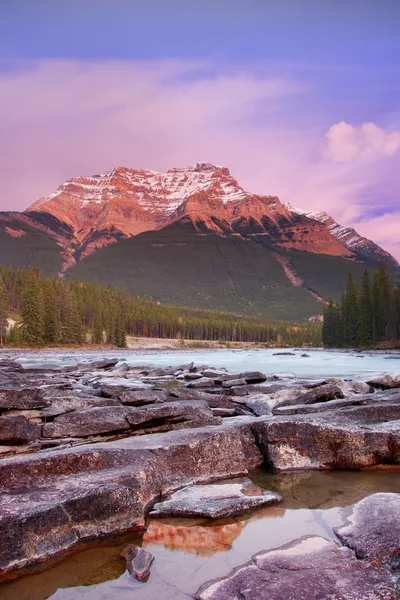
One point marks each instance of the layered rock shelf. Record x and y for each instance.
(92, 449)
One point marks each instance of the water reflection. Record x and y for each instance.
(189, 552)
(202, 537)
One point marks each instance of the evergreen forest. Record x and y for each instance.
(367, 316)
(51, 312)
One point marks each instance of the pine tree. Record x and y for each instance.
(97, 334)
(350, 313)
(119, 333)
(366, 314)
(51, 314)
(382, 304)
(32, 310)
(71, 325)
(4, 311)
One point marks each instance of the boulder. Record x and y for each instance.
(82, 402)
(215, 501)
(192, 376)
(174, 415)
(228, 383)
(372, 529)
(214, 373)
(113, 391)
(310, 568)
(25, 399)
(384, 382)
(138, 562)
(204, 382)
(226, 377)
(352, 438)
(318, 394)
(253, 377)
(107, 363)
(17, 429)
(84, 423)
(142, 397)
(357, 400)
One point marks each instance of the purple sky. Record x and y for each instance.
(298, 99)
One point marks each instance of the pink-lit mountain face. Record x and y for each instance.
(192, 236)
(106, 208)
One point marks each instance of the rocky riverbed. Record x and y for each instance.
(91, 449)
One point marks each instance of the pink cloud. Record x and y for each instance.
(61, 119)
(346, 142)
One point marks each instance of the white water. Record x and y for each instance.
(319, 363)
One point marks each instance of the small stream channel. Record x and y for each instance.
(189, 552)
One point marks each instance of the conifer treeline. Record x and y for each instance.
(366, 316)
(52, 312)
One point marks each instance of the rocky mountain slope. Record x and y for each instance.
(192, 235)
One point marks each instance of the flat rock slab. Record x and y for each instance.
(52, 500)
(138, 562)
(25, 399)
(17, 429)
(311, 568)
(83, 423)
(215, 501)
(373, 529)
(142, 397)
(354, 437)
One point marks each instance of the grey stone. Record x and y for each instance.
(88, 422)
(311, 568)
(27, 398)
(17, 429)
(53, 500)
(233, 383)
(350, 438)
(373, 529)
(174, 415)
(385, 382)
(253, 377)
(215, 501)
(138, 562)
(142, 397)
(204, 382)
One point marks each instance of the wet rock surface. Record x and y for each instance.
(373, 530)
(138, 562)
(215, 501)
(310, 568)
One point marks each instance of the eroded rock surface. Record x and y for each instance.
(88, 466)
(215, 501)
(373, 529)
(52, 500)
(311, 568)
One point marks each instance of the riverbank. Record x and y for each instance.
(90, 444)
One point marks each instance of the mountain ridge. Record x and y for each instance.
(126, 202)
(191, 236)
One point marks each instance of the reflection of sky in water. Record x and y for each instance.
(181, 563)
(320, 363)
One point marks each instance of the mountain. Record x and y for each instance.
(191, 236)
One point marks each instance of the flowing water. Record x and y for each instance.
(317, 364)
